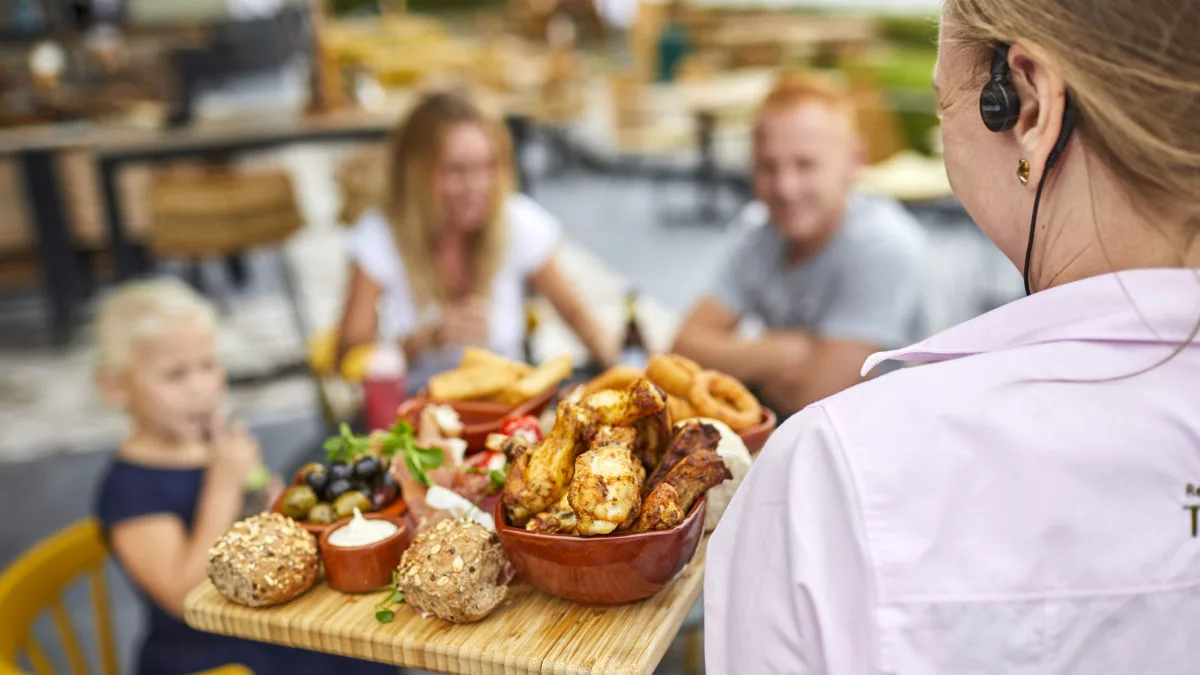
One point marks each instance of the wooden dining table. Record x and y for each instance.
(115, 146)
(530, 632)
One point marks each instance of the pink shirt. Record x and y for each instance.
(983, 513)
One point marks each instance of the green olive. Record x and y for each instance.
(345, 505)
(297, 501)
(321, 514)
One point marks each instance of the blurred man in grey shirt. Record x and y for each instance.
(833, 275)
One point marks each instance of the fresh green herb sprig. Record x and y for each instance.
(346, 446)
(399, 440)
(383, 609)
(496, 476)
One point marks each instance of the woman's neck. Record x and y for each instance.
(1089, 230)
(452, 261)
(147, 447)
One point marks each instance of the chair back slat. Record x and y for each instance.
(34, 583)
(37, 658)
(102, 618)
(68, 638)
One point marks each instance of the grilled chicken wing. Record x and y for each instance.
(621, 408)
(606, 435)
(660, 511)
(690, 436)
(606, 491)
(653, 437)
(669, 501)
(558, 519)
(539, 477)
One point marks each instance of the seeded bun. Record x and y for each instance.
(264, 560)
(456, 571)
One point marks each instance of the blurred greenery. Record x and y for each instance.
(915, 31)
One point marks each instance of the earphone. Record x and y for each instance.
(999, 102)
(1000, 108)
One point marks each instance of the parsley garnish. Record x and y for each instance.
(383, 611)
(399, 440)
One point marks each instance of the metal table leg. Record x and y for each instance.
(127, 262)
(59, 272)
(706, 173)
(519, 129)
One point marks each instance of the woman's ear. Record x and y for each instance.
(113, 386)
(1043, 102)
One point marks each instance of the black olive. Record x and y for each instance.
(337, 487)
(383, 495)
(366, 469)
(386, 480)
(341, 470)
(318, 478)
(302, 472)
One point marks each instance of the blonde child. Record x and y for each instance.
(179, 480)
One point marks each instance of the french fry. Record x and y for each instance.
(542, 378)
(470, 384)
(476, 357)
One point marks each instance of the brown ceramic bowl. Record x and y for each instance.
(755, 437)
(479, 418)
(396, 510)
(608, 570)
(361, 569)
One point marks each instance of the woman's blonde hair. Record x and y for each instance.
(141, 309)
(1133, 68)
(413, 212)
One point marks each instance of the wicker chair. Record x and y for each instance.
(219, 212)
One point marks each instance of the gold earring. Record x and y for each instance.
(1023, 171)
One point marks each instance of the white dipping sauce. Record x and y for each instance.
(362, 532)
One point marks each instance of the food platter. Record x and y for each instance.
(531, 632)
(600, 512)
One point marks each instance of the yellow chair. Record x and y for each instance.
(35, 582)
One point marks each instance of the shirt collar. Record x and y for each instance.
(1147, 305)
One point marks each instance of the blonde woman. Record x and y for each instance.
(447, 260)
(1026, 500)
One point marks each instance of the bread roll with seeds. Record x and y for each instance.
(264, 560)
(456, 571)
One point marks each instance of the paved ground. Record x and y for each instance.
(617, 219)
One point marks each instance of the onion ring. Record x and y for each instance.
(617, 377)
(674, 373)
(680, 409)
(722, 397)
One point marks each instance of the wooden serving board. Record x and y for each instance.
(531, 632)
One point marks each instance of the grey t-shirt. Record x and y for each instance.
(866, 285)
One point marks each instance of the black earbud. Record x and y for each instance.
(999, 102)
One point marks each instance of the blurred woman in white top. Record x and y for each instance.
(1025, 501)
(447, 261)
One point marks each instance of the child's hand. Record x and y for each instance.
(275, 487)
(235, 454)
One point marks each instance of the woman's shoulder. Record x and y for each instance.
(370, 245)
(527, 214)
(130, 490)
(371, 225)
(534, 233)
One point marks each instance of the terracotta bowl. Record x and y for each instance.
(396, 509)
(479, 418)
(609, 570)
(361, 569)
(755, 437)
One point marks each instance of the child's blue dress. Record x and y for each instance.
(170, 646)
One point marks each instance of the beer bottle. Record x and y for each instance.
(633, 347)
(531, 326)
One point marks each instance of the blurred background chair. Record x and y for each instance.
(210, 212)
(35, 583)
